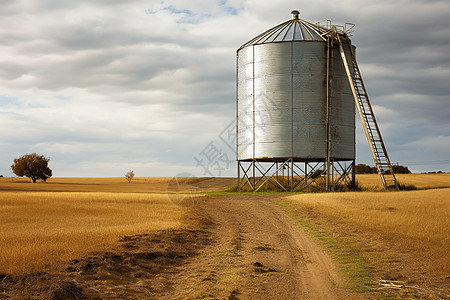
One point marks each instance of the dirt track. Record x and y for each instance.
(257, 254)
(239, 247)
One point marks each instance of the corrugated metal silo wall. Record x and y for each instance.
(273, 90)
(343, 109)
(245, 104)
(309, 106)
(282, 103)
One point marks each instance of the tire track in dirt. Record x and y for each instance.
(257, 253)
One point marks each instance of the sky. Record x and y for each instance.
(105, 86)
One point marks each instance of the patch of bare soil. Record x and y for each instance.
(244, 247)
(129, 271)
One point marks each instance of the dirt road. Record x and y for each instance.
(256, 253)
(234, 247)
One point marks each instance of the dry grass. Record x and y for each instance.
(404, 234)
(423, 214)
(41, 228)
(65, 218)
(118, 184)
(420, 181)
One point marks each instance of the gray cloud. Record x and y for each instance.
(104, 86)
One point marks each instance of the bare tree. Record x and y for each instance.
(129, 176)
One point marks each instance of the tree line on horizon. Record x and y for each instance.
(35, 167)
(366, 169)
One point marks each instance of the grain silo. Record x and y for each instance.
(296, 107)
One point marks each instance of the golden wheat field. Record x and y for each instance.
(63, 218)
(118, 184)
(421, 214)
(44, 223)
(418, 215)
(404, 234)
(420, 181)
(41, 228)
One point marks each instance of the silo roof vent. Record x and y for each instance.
(290, 31)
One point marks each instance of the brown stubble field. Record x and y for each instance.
(404, 236)
(159, 185)
(420, 181)
(39, 229)
(44, 223)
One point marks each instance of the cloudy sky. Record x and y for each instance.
(106, 86)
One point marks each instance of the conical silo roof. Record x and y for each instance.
(290, 31)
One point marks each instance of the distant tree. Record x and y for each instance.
(400, 169)
(32, 166)
(129, 176)
(365, 169)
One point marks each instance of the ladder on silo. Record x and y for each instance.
(373, 134)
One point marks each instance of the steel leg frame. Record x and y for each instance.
(306, 177)
(346, 174)
(256, 174)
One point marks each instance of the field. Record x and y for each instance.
(420, 181)
(410, 215)
(40, 228)
(404, 236)
(222, 245)
(159, 185)
(44, 223)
